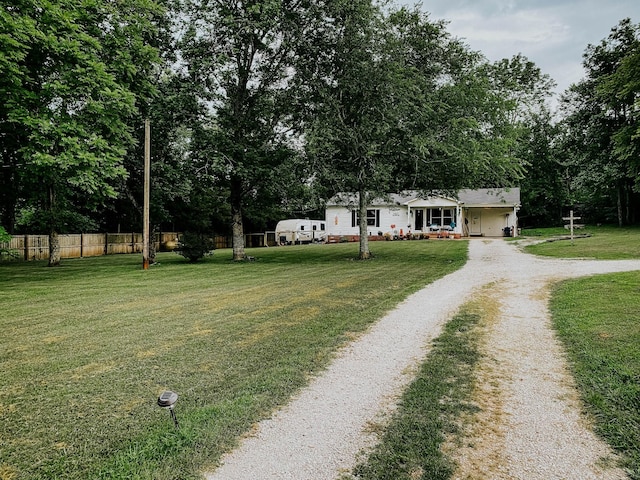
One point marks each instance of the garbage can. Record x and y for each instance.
(507, 231)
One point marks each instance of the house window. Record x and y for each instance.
(434, 216)
(441, 216)
(447, 216)
(373, 218)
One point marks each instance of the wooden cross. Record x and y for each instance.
(571, 218)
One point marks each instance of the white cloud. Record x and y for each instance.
(552, 33)
(514, 31)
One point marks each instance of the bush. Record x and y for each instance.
(194, 246)
(4, 238)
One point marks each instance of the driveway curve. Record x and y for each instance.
(540, 433)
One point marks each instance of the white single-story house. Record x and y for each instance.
(489, 212)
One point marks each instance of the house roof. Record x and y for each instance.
(482, 197)
(490, 197)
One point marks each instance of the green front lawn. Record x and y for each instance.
(87, 348)
(598, 321)
(603, 243)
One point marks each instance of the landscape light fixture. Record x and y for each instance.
(168, 400)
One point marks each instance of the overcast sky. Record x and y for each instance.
(552, 34)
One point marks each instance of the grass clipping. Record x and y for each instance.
(439, 414)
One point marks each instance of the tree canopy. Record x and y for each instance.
(77, 68)
(265, 108)
(404, 106)
(601, 127)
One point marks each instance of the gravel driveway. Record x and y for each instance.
(530, 427)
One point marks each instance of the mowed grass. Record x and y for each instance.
(597, 319)
(87, 348)
(604, 243)
(432, 410)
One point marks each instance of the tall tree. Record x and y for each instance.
(350, 127)
(72, 102)
(240, 56)
(524, 91)
(601, 126)
(18, 31)
(163, 97)
(545, 189)
(405, 106)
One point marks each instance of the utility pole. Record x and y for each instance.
(147, 182)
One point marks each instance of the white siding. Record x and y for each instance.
(494, 210)
(340, 220)
(494, 220)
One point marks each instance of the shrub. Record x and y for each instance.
(194, 246)
(4, 238)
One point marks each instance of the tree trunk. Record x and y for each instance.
(364, 237)
(620, 219)
(54, 248)
(152, 244)
(237, 229)
(54, 240)
(9, 200)
(627, 206)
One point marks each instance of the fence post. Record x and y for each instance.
(26, 248)
(106, 243)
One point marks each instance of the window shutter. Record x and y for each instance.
(353, 218)
(377, 218)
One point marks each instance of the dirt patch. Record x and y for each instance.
(478, 450)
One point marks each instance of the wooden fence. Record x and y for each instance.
(36, 247)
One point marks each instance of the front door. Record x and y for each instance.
(475, 228)
(419, 220)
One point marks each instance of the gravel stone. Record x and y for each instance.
(322, 432)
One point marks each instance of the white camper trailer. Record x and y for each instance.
(300, 230)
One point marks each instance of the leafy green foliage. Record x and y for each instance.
(600, 143)
(194, 246)
(4, 238)
(142, 50)
(241, 57)
(404, 106)
(76, 69)
(544, 188)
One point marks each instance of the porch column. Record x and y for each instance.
(458, 228)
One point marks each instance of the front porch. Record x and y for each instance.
(436, 217)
